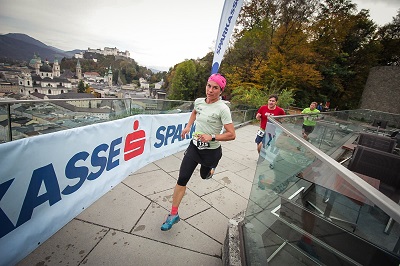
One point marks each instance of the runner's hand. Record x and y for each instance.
(185, 131)
(205, 138)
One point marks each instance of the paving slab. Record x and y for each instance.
(150, 182)
(120, 248)
(226, 201)
(247, 174)
(120, 208)
(202, 187)
(191, 203)
(68, 246)
(227, 163)
(182, 234)
(235, 183)
(148, 168)
(169, 164)
(212, 223)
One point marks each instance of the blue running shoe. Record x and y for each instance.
(171, 220)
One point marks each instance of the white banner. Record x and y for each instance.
(47, 180)
(229, 15)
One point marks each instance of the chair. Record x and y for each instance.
(379, 124)
(378, 164)
(379, 142)
(381, 165)
(376, 125)
(396, 136)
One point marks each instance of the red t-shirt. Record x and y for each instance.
(264, 111)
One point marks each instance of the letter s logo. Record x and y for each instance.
(134, 142)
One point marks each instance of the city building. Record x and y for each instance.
(109, 51)
(42, 77)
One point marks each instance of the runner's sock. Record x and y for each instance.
(174, 210)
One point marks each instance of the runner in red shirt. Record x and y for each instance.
(262, 115)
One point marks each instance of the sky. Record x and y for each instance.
(158, 33)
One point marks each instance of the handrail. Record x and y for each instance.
(165, 103)
(84, 99)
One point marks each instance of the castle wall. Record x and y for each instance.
(382, 90)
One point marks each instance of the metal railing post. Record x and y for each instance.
(9, 122)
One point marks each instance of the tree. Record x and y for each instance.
(254, 97)
(343, 38)
(183, 82)
(273, 47)
(389, 39)
(81, 87)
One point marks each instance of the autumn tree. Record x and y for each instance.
(389, 40)
(273, 48)
(343, 40)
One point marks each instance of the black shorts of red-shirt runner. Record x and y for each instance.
(207, 158)
(308, 129)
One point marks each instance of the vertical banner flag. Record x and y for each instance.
(229, 15)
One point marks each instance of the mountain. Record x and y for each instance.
(19, 46)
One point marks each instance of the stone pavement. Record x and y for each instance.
(123, 226)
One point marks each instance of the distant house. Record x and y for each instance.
(78, 55)
(8, 87)
(144, 84)
(159, 84)
(74, 102)
(92, 76)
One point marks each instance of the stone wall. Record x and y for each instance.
(382, 90)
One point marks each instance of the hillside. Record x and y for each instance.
(17, 46)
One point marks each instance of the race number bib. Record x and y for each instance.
(201, 145)
(260, 133)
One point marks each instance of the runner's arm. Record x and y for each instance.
(229, 133)
(192, 118)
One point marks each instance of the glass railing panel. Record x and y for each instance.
(335, 129)
(365, 118)
(242, 116)
(330, 132)
(302, 209)
(3, 123)
(35, 117)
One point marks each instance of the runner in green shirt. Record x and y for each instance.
(309, 120)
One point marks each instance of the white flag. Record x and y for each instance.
(229, 15)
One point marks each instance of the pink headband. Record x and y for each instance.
(219, 79)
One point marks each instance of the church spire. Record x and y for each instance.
(78, 70)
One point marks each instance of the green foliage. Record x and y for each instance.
(389, 39)
(254, 97)
(81, 87)
(187, 81)
(182, 86)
